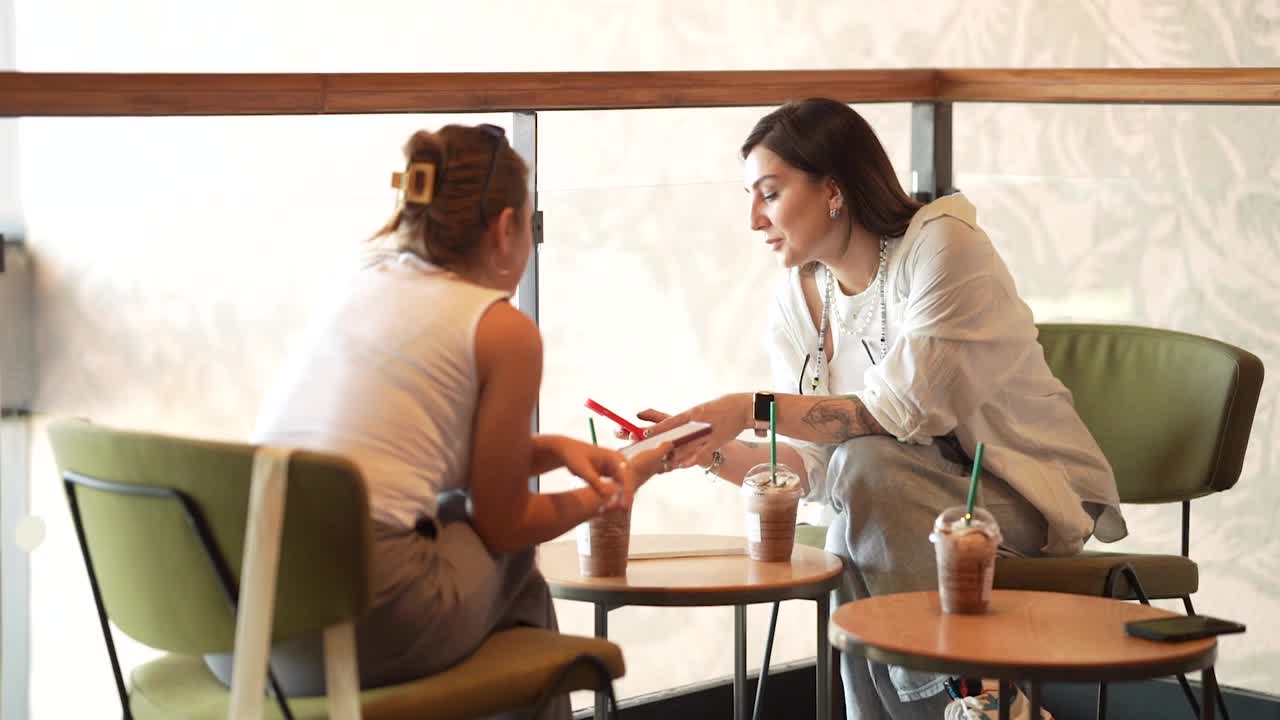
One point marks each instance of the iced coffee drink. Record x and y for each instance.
(603, 543)
(771, 499)
(966, 554)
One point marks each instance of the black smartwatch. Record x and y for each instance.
(760, 413)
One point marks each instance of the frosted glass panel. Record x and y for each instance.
(176, 260)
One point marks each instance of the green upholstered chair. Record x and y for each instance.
(161, 522)
(1172, 413)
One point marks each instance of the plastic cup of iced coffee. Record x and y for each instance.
(603, 544)
(770, 497)
(966, 555)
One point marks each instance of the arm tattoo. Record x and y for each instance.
(840, 419)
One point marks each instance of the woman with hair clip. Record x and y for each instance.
(421, 372)
(897, 341)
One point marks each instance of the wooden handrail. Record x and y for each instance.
(161, 94)
(479, 92)
(34, 94)
(1227, 86)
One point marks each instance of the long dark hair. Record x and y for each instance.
(826, 138)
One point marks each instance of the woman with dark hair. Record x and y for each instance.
(897, 341)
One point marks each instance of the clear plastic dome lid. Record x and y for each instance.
(953, 521)
(763, 479)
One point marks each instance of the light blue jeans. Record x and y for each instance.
(887, 495)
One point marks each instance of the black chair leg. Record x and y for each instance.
(1211, 687)
(756, 710)
(274, 690)
(1005, 695)
(1190, 694)
(1221, 701)
(1131, 576)
(597, 666)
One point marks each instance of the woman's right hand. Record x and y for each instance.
(702, 457)
(653, 416)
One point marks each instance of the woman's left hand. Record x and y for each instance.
(728, 416)
(608, 471)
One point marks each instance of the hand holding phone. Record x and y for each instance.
(635, 431)
(677, 436)
(1181, 627)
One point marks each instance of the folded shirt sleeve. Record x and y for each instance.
(786, 360)
(961, 332)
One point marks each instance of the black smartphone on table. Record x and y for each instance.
(1181, 627)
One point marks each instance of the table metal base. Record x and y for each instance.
(740, 692)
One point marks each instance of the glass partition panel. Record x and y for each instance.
(1163, 217)
(176, 259)
(650, 298)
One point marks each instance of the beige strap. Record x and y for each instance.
(342, 679)
(258, 581)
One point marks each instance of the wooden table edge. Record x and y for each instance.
(1193, 655)
(1198, 660)
(590, 590)
(692, 597)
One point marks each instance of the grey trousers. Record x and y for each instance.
(887, 495)
(442, 599)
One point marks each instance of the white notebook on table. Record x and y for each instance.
(656, 547)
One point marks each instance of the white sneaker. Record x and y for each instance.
(986, 706)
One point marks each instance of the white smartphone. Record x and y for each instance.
(687, 432)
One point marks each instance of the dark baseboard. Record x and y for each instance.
(1156, 699)
(789, 693)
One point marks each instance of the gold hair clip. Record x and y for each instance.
(416, 183)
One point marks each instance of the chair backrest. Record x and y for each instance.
(1171, 411)
(157, 583)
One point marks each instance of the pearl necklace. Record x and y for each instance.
(862, 323)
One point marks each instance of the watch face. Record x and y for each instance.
(762, 401)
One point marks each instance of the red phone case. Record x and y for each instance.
(632, 428)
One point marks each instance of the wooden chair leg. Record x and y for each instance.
(254, 611)
(342, 676)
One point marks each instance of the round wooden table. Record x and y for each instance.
(1034, 637)
(701, 581)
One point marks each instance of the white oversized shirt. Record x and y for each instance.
(962, 357)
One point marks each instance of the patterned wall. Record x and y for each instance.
(169, 291)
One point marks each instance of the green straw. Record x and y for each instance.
(973, 484)
(592, 423)
(773, 442)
